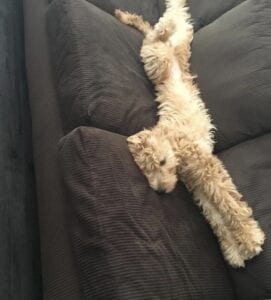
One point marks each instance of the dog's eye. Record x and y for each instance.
(163, 162)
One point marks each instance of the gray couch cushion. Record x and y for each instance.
(232, 59)
(99, 76)
(151, 10)
(203, 11)
(130, 242)
(249, 164)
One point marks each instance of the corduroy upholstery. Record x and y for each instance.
(101, 204)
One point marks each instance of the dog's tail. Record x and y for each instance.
(133, 20)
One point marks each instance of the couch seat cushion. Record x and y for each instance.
(129, 242)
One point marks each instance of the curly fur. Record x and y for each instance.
(180, 146)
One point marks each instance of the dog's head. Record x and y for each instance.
(153, 153)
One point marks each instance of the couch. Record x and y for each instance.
(104, 233)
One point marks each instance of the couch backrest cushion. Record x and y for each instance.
(203, 11)
(151, 10)
(99, 76)
(232, 59)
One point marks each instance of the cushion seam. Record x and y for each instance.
(225, 12)
(243, 142)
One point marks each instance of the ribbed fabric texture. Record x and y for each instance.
(250, 167)
(101, 81)
(233, 69)
(97, 68)
(130, 242)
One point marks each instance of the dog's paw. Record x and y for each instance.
(233, 256)
(251, 239)
(236, 260)
(124, 16)
(119, 14)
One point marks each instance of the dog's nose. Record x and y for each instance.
(161, 190)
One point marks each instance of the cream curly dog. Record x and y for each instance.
(180, 146)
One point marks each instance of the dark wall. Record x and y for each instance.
(19, 240)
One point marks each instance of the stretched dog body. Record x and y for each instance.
(180, 145)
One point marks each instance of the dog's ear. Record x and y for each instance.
(139, 139)
(134, 140)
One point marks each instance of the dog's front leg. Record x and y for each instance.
(205, 175)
